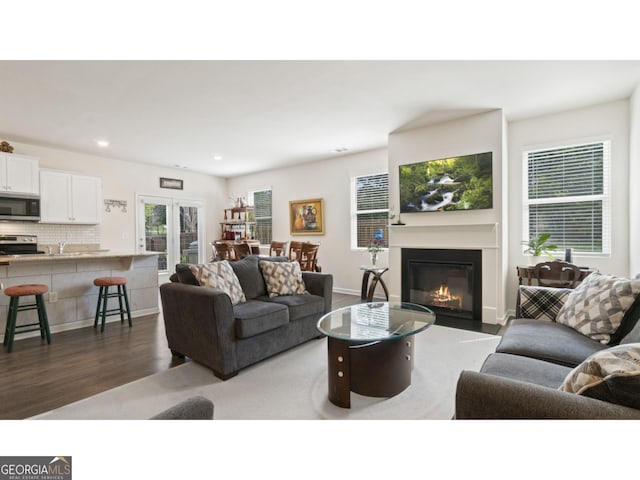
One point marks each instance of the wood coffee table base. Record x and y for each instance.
(373, 369)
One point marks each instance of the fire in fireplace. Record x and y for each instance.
(442, 297)
(447, 281)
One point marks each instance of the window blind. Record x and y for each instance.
(262, 212)
(370, 207)
(567, 196)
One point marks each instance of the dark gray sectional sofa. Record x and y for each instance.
(202, 323)
(521, 379)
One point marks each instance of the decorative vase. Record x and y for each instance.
(374, 257)
(534, 260)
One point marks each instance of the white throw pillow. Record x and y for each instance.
(283, 278)
(220, 275)
(597, 306)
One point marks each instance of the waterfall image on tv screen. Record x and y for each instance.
(456, 183)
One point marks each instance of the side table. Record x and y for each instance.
(368, 289)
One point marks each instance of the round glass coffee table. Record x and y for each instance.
(370, 348)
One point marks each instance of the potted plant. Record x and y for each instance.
(539, 246)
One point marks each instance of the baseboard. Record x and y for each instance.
(85, 323)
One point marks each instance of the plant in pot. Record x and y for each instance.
(539, 246)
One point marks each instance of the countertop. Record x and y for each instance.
(86, 255)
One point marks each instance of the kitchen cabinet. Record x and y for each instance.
(69, 197)
(19, 174)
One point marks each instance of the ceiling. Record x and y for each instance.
(259, 115)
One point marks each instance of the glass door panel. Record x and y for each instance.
(189, 246)
(172, 228)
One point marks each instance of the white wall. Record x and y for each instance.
(599, 120)
(121, 180)
(330, 180)
(473, 229)
(634, 178)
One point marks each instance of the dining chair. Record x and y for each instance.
(295, 250)
(278, 249)
(241, 250)
(308, 256)
(223, 250)
(557, 274)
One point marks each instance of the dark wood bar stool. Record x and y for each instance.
(11, 329)
(103, 296)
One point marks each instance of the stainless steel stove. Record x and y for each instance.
(19, 245)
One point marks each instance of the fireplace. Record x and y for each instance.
(448, 281)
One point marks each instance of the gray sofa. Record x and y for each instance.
(521, 379)
(202, 323)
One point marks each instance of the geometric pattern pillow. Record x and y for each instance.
(612, 375)
(220, 275)
(596, 307)
(542, 303)
(283, 278)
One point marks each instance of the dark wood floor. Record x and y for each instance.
(37, 377)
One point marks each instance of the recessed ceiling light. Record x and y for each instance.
(340, 150)
(102, 143)
(217, 158)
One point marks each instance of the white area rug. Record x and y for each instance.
(293, 386)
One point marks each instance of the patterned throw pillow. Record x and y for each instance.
(219, 275)
(542, 303)
(596, 307)
(612, 375)
(283, 278)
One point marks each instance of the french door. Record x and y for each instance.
(172, 227)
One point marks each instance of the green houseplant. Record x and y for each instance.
(540, 245)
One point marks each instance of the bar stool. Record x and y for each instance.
(11, 329)
(103, 296)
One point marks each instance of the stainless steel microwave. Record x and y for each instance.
(20, 207)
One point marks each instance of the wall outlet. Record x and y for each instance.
(53, 297)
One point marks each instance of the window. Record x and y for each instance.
(567, 195)
(261, 201)
(370, 209)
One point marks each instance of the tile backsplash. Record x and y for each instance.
(52, 234)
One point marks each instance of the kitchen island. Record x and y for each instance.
(72, 298)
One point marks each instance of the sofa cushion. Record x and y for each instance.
(249, 276)
(612, 375)
(629, 331)
(542, 303)
(185, 274)
(525, 369)
(597, 306)
(301, 306)
(219, 275)
(633, 333)
(282, 278)
(254, 317)
(548, 341)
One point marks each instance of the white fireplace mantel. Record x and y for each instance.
(484, 236)
(467, 236)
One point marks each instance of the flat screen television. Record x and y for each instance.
(456, 183)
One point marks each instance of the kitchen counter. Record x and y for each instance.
(72, 297)
(125, 257)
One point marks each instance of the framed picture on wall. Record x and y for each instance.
(306, 217)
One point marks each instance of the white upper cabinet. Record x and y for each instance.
(19, 174)
(69, 198)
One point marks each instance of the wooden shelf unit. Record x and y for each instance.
(238, 224)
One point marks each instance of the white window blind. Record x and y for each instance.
(261, 201)
(370, 209)
(567, 195)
